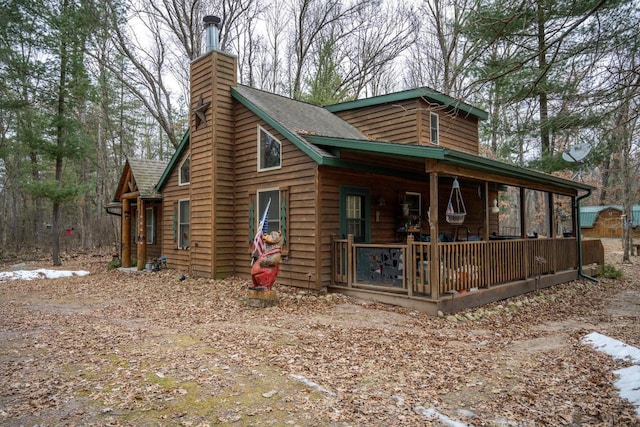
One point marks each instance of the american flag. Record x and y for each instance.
(258, 240)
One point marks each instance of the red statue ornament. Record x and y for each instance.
(265, 268)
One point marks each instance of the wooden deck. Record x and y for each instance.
(467, 274)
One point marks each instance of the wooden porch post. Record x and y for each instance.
(523, 234)
(434, 255)
(141, 232)
(487, 209)
(485, 237)
(351, 263)
(411, 264)
(552, 216)
(126, 233)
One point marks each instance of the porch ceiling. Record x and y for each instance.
(451, 158)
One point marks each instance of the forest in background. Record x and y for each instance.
(84, 84)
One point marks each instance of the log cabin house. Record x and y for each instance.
(361, 192)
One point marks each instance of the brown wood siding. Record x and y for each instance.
(171, 193)
(298, 176)
(212, 167)
(455, 131)
(397, 122)
(373, 161)
(202, 168)
(409, 122)
(224, 179)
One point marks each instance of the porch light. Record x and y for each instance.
(495, 209)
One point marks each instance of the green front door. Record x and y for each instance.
(355, 213)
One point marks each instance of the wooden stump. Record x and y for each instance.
(260, 298)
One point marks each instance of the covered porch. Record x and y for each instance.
(138, 205)
(451, 276)
(438, 229)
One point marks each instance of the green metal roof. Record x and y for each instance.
(423, 92)
(184, 143)
(449, 156)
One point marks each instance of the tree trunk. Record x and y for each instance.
(545, 143)
(57, 208)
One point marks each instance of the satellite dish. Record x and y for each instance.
(577, 153)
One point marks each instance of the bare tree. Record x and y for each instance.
(441, 55)
(379, 35)
(310, 19)
(147, 74)
(275, 27)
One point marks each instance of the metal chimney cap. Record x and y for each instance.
(211, 20)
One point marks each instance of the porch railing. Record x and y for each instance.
(592, 252)
(462, 265)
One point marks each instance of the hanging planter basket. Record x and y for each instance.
(456, 212)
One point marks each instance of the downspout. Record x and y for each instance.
(106, 208)
(579, 235)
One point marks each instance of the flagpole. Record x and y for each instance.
(260, 230)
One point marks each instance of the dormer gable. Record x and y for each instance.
(420, 116)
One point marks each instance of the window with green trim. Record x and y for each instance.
(184, 232)
(273, 216)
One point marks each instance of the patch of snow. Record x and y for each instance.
(433, 415)
(39, 274)
(629, 385)
(628, 381)
(313, 385)
(614, 348)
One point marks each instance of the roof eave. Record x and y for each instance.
(423, 92)
(184, 142)
(454, 157)
(379, 147)
(481, 163)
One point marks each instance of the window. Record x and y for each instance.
(183, 224)
(150, 222)
(185, 171)
(273, 216)
(435, 129)
(414, 204)
(269, 151)
(355, 216)
(354, 213)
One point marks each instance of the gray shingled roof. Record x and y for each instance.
(147, 173)
(300, 117)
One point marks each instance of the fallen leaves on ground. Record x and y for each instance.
(117, 348)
